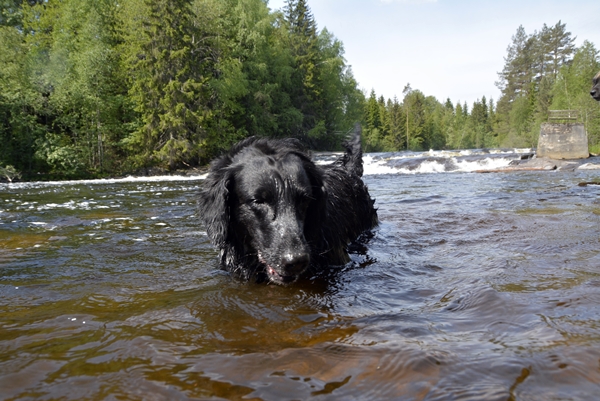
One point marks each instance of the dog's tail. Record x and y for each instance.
(352, 159)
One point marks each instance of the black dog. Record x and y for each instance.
(595, 92)
(275, 214)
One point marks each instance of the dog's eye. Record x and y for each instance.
(264, 196)
(261, 199)
(257, 201)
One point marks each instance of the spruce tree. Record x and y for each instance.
(170, 86)
(373, 116)
(397, 125)
(383, 117)
(304, 44)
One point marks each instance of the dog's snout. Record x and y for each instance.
(295, 263)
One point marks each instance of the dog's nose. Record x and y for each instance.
(593, 93)
(295, 263)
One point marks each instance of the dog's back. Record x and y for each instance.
(350, 209)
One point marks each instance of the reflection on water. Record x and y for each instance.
(473, 287)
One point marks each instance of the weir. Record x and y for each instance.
(563, 137)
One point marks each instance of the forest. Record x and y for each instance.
(95, 88)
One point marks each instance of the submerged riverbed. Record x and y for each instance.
(474, 287)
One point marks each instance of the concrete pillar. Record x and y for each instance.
(563, 141)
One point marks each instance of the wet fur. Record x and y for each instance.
(595, 91)
(274, 214)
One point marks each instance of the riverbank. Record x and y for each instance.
(442, 161)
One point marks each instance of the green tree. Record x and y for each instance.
(461, 116)
(170, 86)
(20, 104)
(481, 128)
(372, 114)
(571, 90)
(11, 12)
(558, 48)
(517, 72)
(253, 84)
(303, 41)
(89, 93)
(415, 107)
(396, 138)
(340, 100)
(530, 70)
(374, 126)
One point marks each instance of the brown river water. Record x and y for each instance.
(474, 287)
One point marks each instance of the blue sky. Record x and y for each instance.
(445, 48)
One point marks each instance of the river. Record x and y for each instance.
(473, 287)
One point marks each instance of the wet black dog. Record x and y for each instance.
(595, 92)
(274, 214)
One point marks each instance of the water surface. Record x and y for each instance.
(475, 286)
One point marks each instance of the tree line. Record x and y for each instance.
(98, 87)
(102, 87)
(543, 71)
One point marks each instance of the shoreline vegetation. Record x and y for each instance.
(527, 163)
(96, 89)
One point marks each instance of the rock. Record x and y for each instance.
(590, 166)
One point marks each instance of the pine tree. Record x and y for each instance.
(383, 117)
(459, 127)
(171, 86)
(559, 48)
(480, 124)
(373, 116)
(415, 105)
(372, 130)
(517, 72)
(397, 121)
(304, 44)
(449, 104)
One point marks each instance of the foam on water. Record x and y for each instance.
(373, 167)
(442, 161)
(406, 162)
(484, 164)
(433, 161)
(103, 181)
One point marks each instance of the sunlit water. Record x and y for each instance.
(474, 287)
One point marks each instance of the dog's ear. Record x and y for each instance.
(214, 203)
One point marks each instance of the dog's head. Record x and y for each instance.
(263, 202)
(595, 92)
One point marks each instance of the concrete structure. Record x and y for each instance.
(563, 141)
